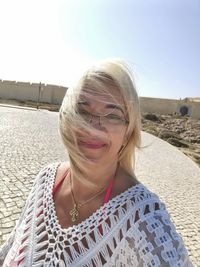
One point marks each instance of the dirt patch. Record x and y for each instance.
(180, 131)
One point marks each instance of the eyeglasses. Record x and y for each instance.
(106, 120)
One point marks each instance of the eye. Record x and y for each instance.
(82, 111)
(113, 117)
(84, 114)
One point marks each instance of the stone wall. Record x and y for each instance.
(54, 94)
(158, 105)
(23, 91)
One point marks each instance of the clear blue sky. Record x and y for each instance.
(53, 41)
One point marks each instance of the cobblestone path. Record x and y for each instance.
(29, 140)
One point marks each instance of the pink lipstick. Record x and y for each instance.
(92, 145)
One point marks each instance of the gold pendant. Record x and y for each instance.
(74, 213)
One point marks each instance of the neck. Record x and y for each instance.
(94, 179)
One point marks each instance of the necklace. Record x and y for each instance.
(74, 213)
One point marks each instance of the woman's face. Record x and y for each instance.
(106, 114)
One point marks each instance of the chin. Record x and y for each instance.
(94, 158)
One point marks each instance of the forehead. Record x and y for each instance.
(107, 95)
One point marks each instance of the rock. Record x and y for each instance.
(151, 117)
(182, 132)
(166, 134)
(176, 142)
(195, 156)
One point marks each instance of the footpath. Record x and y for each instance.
(29, 140)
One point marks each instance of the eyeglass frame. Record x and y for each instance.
(100, 116)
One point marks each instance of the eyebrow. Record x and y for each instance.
(108, 106)
(113, 106)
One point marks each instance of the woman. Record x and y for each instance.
(92, 211)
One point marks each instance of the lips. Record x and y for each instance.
(92, 144)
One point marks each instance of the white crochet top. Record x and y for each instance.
(136, 231)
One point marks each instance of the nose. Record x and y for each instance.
(94, 119)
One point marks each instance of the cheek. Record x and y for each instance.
(117, 140)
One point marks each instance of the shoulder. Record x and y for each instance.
(61, 169)
(146, 205)
(152, 233)
(55, 169)
(139, 194)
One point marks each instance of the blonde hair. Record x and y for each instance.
(112, 73)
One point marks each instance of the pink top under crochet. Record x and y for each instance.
(108, 190)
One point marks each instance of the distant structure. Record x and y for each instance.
(36, 92)
(187, 106)
(53, 94)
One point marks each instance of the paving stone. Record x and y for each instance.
(5, 237)
(11, 204)
(6, 230)
(7, 224)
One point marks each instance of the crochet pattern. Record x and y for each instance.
(132, 229)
